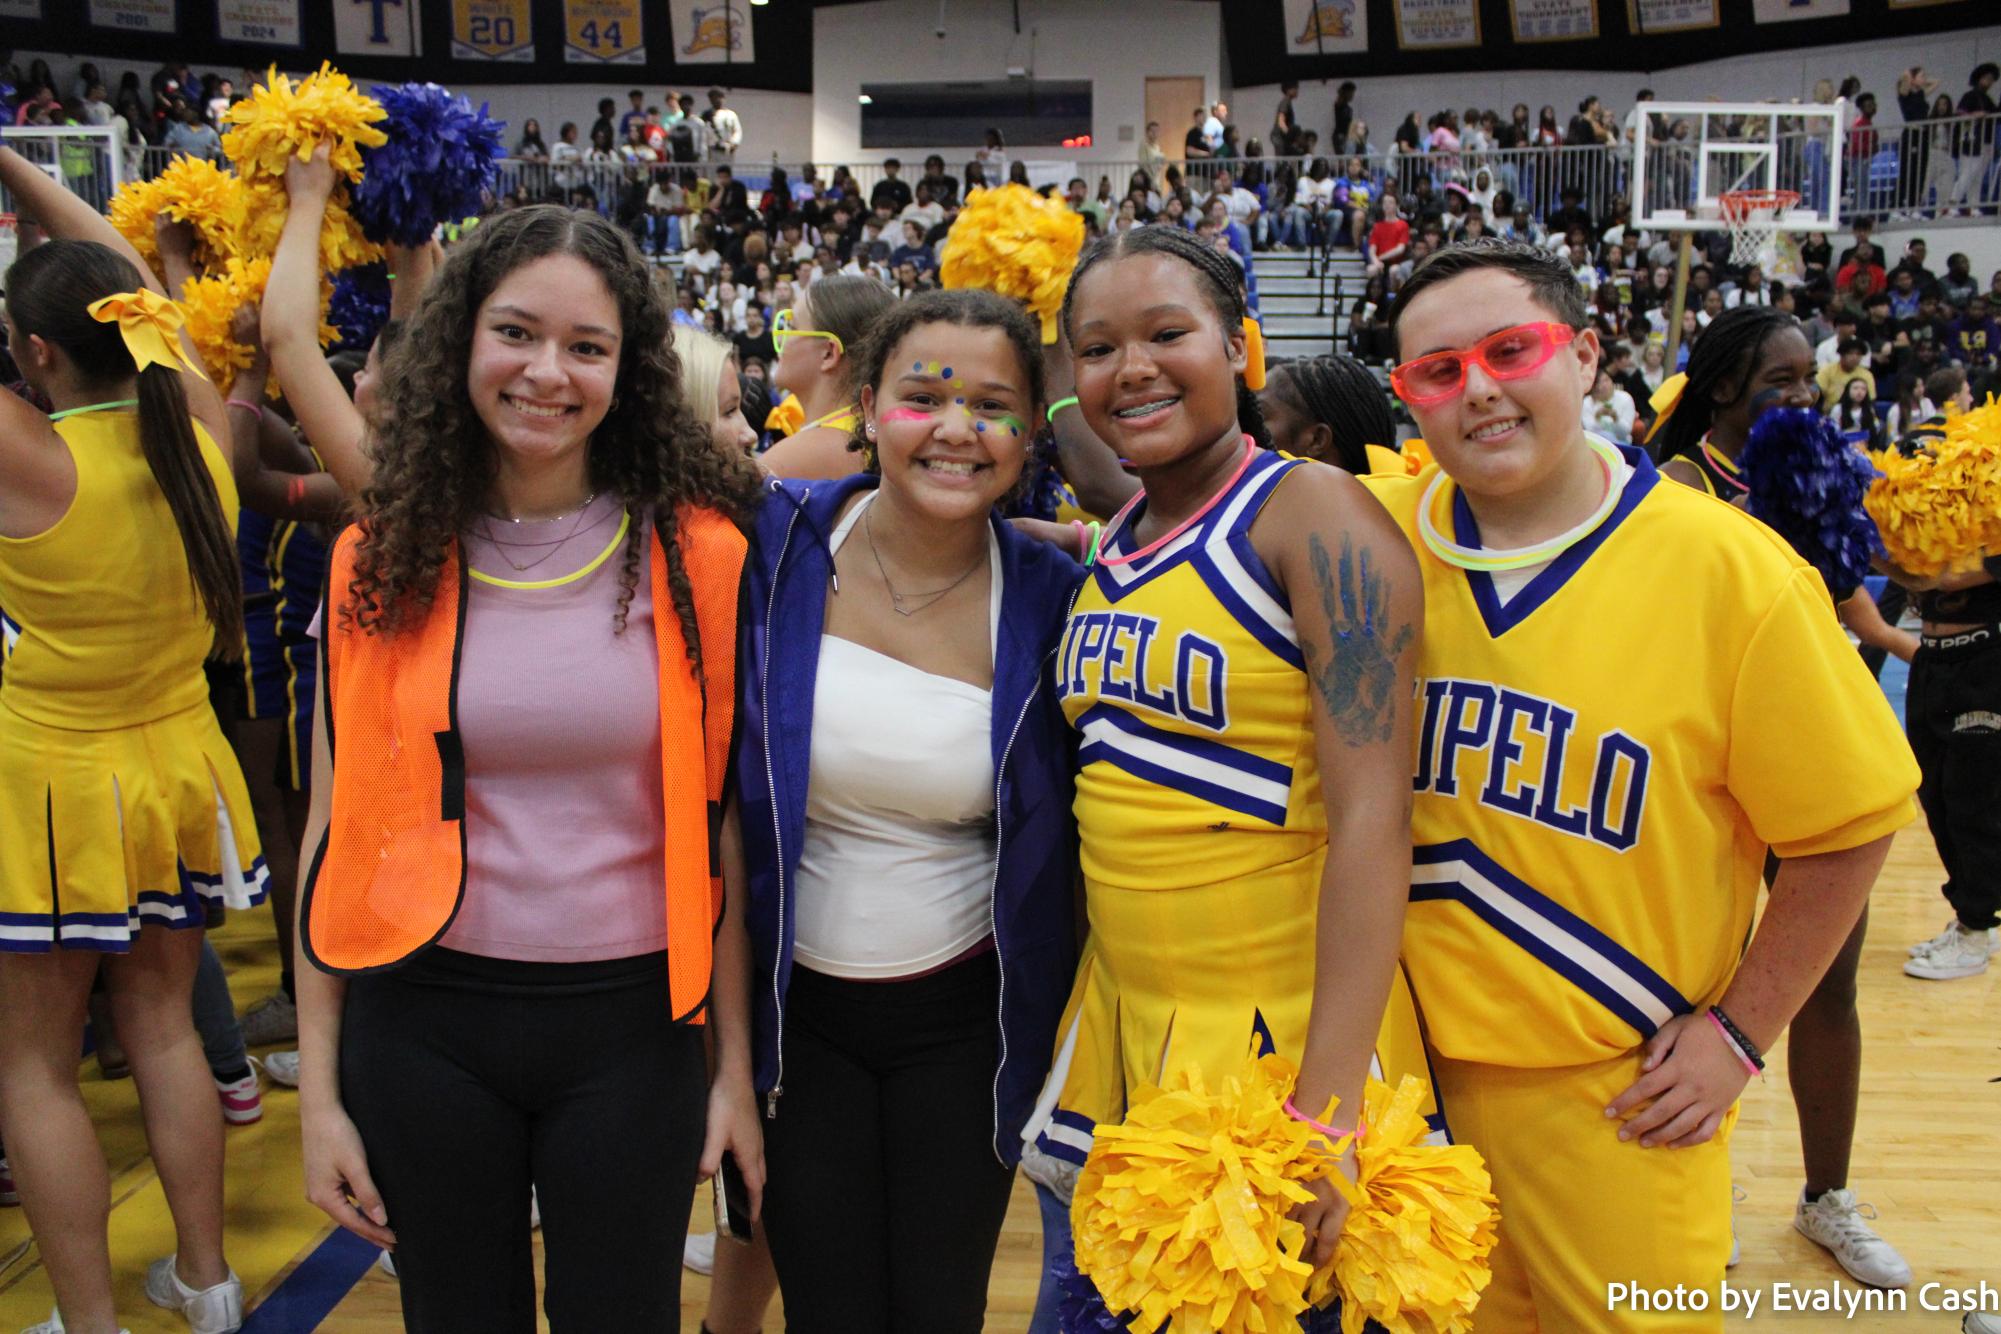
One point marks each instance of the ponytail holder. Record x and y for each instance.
(786, 418)
(151, 327)
(1254, 355)
(1665, 400)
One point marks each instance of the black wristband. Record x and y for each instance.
(1744, 1044)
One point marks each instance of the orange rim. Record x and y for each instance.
(1739, 204)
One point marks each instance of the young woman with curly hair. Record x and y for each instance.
(518, 938)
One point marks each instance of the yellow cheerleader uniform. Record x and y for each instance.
(1602, 759)
(120, 802)
(1203, 834)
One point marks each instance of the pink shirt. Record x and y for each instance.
(565, 850)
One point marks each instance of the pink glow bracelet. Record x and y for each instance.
(1333, 1136)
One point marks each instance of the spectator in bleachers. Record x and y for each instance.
(605, 123)
(892, 190)
(1389, 239)
(944, 189)
(1973, 148)
(192, 135)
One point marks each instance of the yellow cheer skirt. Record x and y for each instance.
(1189, 978)
(104, 832)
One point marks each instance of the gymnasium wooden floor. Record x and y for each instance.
(1926, 1149)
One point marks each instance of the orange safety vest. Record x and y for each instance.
(390, 871)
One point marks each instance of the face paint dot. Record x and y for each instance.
(979, 426)
(917, 367)
(960, 401)
(947, 372)
(932, 368)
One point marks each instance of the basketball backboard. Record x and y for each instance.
(1687, 155)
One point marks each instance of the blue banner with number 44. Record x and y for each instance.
(607, 32)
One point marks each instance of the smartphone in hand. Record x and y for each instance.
(732, 1198)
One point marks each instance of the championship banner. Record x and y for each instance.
(1648, 17)
(133, 15)
(1788, 11)
(609, 32)
(1430, 25)
(378, 27)
(30, 10)
(492, 30)
(712, 32)
(1326, 27)
(1553, 20)
(263, 22)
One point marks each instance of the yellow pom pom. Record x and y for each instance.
(1940, 509)
(191, 190)
(1181, 1213)
(1414, 1253)
(212, 302)
(281, 121)
(1012, 241)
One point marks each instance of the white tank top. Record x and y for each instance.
(896, 870)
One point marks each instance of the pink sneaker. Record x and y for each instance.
(242, 1103)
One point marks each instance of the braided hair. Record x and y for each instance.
(1722, 361)
(1223, 282)
(1339, 392)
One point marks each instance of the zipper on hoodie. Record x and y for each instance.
(777, 833)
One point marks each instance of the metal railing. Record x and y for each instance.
(1922, 169)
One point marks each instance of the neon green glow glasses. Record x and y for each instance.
(782, 330)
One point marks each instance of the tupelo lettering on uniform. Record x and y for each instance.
(1121, 646)
(1515, 747)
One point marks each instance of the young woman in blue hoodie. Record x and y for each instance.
(904, 775)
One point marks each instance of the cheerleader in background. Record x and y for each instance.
(1753, 359)
(126, 816)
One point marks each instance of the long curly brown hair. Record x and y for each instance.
(435, 465)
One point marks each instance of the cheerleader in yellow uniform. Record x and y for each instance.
(1238, 669)
(1605, 752)
(123, 817)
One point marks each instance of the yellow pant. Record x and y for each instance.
(1580, 1210)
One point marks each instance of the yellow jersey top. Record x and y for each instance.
(1182, 674)
(103, 627)
(1603, 760)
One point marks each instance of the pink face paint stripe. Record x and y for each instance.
(905, 415)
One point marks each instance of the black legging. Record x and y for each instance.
(885, 1200)
(1952, 715)
(471, 1079)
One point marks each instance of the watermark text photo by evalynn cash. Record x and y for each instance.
(1832, 1298)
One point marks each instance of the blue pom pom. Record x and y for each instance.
(1080, 1308)
(438, 165)
(1808, 483)
(360, 307)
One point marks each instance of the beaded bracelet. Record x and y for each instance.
(1736, 1041)
(1058, 406)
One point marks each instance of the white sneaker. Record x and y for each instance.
(271, 1020)
(216, 1310)
(1980, 1322)
(54, 1325)
(1835, 1221)
(1957, 953)
(698, 1252)
(1947, 936)
(281, 1066)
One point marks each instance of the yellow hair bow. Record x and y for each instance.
(786, 418)
(1254, 355)
(151, 327)
(1665, 400)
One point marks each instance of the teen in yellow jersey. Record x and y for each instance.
(1238, 669)
(1628, 693)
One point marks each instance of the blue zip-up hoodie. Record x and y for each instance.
(1034, 754)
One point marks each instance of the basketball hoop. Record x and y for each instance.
(1752, 217)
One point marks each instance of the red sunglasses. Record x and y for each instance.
(1507, 355)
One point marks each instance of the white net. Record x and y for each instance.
(1753, 219)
